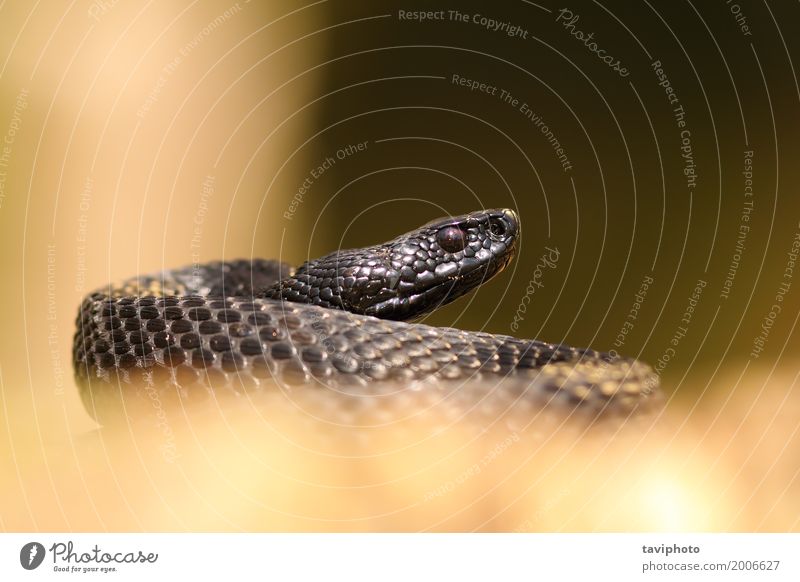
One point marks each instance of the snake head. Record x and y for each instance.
(413, 274)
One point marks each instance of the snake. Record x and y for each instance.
(338, 327)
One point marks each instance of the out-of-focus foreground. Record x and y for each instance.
(730, 466)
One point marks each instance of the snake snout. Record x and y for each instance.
(502, 229)
(450, 257)
(503, 225)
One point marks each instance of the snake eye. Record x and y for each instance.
(497, 228)
(451, 239)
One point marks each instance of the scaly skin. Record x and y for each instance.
(240, 327)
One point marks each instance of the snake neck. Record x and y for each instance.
(346, 280)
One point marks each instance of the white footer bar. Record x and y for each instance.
(353, 557)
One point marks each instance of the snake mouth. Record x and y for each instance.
(466, 279)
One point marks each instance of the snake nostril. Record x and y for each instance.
(498, 228)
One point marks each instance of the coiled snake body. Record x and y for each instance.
(334, 326)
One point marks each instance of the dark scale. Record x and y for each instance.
(240, 330)
(210, 327)
(202, 358)
(283, 351)
(142, 349)
(118, 335)
(128, 311)
(128, 361)
(198, 313)
(220, 343)
(174, 355)
(252, 347)
(259, 319)
(156, 325)
(228, 315)
(339, 321)
(133, 324)
(190, 340)
(148, 312)
(181, 326)
(231, 361)
(272, 333)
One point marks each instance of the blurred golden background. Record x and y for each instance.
(651, 145)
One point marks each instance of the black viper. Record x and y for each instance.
(329, 330)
